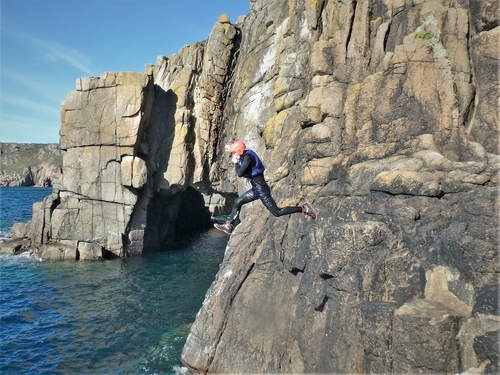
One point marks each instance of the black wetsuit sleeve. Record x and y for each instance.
(245, 165)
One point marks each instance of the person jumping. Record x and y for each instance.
(249, 165)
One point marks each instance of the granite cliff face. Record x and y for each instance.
(139, 151)
(383, 114)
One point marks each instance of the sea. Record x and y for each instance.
(125, 316)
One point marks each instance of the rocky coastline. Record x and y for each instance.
(383, 114)
(29, 164)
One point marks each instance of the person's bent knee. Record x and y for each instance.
(274, 210)
(239, 202)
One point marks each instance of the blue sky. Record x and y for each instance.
(47, 44)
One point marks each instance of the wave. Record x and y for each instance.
(10, 259)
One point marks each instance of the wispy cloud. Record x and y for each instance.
(41, 89)
(51, 51)
(55, 53)
(28, 105)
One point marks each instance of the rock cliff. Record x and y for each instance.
(383, 114)
(140, 149)
(28, 164)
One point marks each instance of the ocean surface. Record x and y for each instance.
(127, 316)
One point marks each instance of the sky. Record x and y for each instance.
(45, 45)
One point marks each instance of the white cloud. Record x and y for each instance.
(55, 52)
(52, 52)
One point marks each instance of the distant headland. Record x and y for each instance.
(29, 164)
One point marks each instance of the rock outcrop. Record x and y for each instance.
(139, 151)
(29, 164)
(383, 114)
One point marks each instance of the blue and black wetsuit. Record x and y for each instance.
(251, 167)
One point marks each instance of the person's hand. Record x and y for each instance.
(235, 158)
(226, 147)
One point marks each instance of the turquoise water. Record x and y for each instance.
(16, 205)
(127, 316)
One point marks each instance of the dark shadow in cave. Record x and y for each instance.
(174, 219)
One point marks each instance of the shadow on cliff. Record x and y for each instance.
(173, 213)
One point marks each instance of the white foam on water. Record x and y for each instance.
(180, 370)
(26, 257)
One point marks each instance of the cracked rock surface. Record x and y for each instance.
(382, 114)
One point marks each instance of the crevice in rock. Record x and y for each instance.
(370, 212)
(82, 197)
(321, 306)
(233, 297)
(351, 25)
(54, 204)
(306, 123)
(224, 324)
(440, 195)
(125, 242)
(470, 111)
(386, 36)
(319, 20)
(295, 271)
(398, 11)
(226, 108)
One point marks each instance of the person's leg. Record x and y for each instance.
(246, 197)
(264, 193)
(280, 211)
(228, 226)
(306, 208)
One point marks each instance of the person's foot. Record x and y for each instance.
(308, 210)
(226, 227)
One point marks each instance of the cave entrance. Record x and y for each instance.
(174, 218)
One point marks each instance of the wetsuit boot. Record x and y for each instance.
(308, 210)
(226, 227)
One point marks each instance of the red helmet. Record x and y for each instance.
(237, 147)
